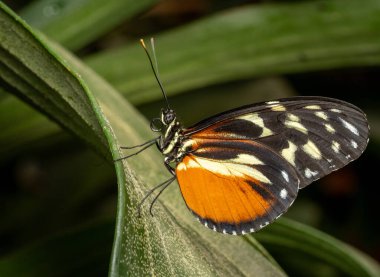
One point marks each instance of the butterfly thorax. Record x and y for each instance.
(171, 142)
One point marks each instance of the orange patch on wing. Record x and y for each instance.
(218, 197)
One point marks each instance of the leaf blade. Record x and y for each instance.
(289, 236)
(251, 41)
(56, 19)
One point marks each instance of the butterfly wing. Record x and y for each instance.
(245, 166)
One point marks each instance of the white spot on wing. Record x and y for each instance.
(247, 159)
(354, 144)
(313, 107)
(322, 115)
(285, 175)
(293, 117)
(349, 126)
(335, 146)
(272, 102)
(279, 215)
(257, 120)
(335, 110)
(234, 233)
(312, 150)
(330, 128)
(309, 173)
(283, 193)
(252, 230)
(277, 108)
(290, 153)
(293, 122)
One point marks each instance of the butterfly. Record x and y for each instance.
(240, 170)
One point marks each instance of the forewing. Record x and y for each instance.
(236, 186)
(315, 135)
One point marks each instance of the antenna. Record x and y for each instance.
(155, 69)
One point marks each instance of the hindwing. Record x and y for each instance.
(236, 186)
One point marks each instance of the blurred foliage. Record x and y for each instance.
(58, 198)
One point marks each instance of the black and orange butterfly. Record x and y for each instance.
(240, 170)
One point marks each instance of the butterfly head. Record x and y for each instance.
(167, 116)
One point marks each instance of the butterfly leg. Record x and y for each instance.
(164, 184)
(140, 145)
(168, 182)
(169, 167)
(144, 146)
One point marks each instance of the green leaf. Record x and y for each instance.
(92, 18)
(250, 41)
(167, 244)
(287, 237)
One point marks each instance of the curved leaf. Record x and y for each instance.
(36, 76)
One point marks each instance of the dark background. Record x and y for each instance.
(344, 204)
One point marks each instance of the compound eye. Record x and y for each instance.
(156, 125)
(169, 117)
